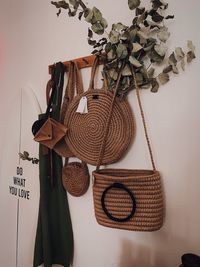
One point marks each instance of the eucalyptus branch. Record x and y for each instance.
(132, 44)
(25, 156)
(82, 4)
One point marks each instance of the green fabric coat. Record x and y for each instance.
(54, 237)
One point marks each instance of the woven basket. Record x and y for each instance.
(86, 131)
(146, 188)
(76, 178)
(128, 199)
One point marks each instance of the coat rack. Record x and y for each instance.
(83, 62)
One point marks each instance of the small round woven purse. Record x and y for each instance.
(75, 178)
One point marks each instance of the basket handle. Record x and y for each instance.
(102, 148)
(74, 83)
(129, 192)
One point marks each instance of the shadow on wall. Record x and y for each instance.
(136, 255)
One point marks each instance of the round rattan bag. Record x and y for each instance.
(86, 131)
(76, 178)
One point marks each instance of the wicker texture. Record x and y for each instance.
(144, 187)
(147, 189)
(75, 178)
(86, 131)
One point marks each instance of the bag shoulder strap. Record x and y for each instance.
(143, 119)
(102, 148)
(74, 83)
(53, 86)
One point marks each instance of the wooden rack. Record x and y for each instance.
(83, 62)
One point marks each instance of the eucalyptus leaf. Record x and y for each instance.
(151, 72)
(141, 18)
(154, 85)
(71, 13)
(74, 3)
(134, 21)
(156, 4)
(190, 46)
(143, 37)
(60, 4)
(149, 45)
(97, 16)
(167, 69)
(95, 51)
(156, 17)
(136, 47)
(121, 51)
(80, 15)
(90, 33)
(139, 11)
(163, 34)
(139, 78)
(170, 17)
(91, 42)
(98, 28)
(26, 154)
(134, 62)
(111, 55)
(104, 23)
(133, 4)
(159, 4)
(126, 81)
(163, 78)
(172, 59)
(113, 74)
(175, 69)
(160, 49)
(114, 37)
(119, 27)
(152, 24)
(58, 13)
(155, 57)
(183, 64)
(132, 35)
(126, 71)
(88, 15)
(108, 47)
(179, 53)
(190, 56)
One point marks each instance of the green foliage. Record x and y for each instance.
(25, 156)
(143, 44)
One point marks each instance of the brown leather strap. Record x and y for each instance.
(93, 73)
(69, 92)
(74, 85)
(102, 148)
(78, 79)
(48, 90)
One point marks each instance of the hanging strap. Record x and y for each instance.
(103, 145)
(93, 72)
(74, 83)
(143, 118)
(53, 85)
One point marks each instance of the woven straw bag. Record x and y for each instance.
(128, 199)
(75, 178)
(86, 131)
